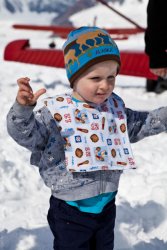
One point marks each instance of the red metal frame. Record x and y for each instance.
(64, 31)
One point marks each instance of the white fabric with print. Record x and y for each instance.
(95, 136)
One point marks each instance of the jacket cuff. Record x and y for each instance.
(22, 110)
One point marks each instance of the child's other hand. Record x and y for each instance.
(25, 95)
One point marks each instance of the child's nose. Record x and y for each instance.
(104, 84)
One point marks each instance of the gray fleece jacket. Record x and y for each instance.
(38, 132)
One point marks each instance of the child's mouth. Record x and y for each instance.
(101, 94)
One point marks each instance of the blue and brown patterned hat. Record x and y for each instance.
(85, 47)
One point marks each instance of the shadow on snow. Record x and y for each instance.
(144, 217)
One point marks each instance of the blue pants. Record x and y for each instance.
(75, 230)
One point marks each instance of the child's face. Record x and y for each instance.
(97, 83)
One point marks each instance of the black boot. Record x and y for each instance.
(157, 86)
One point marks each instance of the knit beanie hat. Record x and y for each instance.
(85, 47)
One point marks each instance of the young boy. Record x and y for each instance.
(81, 140)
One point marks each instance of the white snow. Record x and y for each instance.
(109, 19)
(24, 200)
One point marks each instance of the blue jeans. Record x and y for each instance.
(74, 230)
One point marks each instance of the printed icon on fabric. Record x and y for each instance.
(80, 116)
(100, 153)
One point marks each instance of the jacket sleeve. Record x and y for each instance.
(144, 124)
(27, 128)
(156, 33)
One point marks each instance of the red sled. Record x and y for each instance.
(133, 63)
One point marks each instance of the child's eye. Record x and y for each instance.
(111, 78)
(95, 78)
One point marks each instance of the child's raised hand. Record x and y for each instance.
(25, 95)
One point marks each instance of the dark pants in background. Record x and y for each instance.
(75, 230)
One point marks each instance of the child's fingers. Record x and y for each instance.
(24, 80)
(25, 98)
(23, 84)
(24, 87)
(39, 93)
(24, 94)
